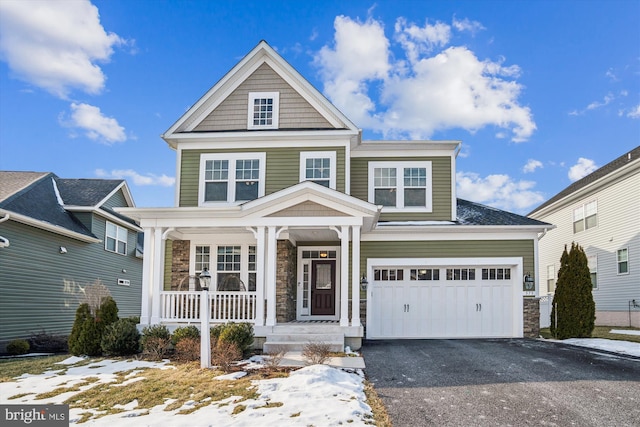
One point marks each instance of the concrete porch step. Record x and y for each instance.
(297, 346)
(297, 341)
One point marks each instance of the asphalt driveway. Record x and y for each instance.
(502, 382)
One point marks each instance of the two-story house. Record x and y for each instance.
(313, 234)
(56, 237)
(600, 212)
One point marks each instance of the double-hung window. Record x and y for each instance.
(230, 178)
(233, 267)
(585, 216)
(319, 167)
(623, 261)
(264, 110)
(401, 185)
(116, 238)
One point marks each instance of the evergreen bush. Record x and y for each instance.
(120, 338)
(182, 332)
(156, 341)
(573, 310)
(87, 330)
(240, 334)
(17, 347)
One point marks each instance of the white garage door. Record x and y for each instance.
(443, 302)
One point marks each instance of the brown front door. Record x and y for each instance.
(323, 288)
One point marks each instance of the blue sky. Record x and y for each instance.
(539, 92)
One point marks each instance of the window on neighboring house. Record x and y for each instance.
(400, 185)
(319, 167)
(623, 261)
(585, 216)
(551, 278)
(263, 110)
(592, 262)
(116, 239)
(228, 178)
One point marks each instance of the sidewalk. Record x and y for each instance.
(295, 359)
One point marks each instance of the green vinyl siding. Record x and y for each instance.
(441, 187)
(283, 169)
(450, 249)
(41, 288)
(117, 200)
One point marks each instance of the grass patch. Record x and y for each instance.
(11, 368)
(380, 414)
(186, 383)
(602, 332)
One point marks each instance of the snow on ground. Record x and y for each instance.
(623, 347)
(314, 395)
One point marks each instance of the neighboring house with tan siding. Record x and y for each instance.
(312, 234)
(600, 212)
(56, 237)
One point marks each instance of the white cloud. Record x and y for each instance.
(95, 125)
(466, 25)
(423, 94)
(532, 165)
(498, 190)
(55, 44)
(634, 112)
(138, 179)
(581, 169)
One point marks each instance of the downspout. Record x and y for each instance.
(4, 242)
(6, 217)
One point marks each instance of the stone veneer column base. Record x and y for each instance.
(531, 317)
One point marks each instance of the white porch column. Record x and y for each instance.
(355, 275)
(272, 252)
(260, 276)
(157, 278)
(147, 278)
(344, 275)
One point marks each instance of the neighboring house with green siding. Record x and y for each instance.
(56, 237)
(313, 234)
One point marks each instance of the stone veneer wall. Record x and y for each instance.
(531, 313)
(180, 263)
(286, 291)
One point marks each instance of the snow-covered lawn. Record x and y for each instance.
(314, 395)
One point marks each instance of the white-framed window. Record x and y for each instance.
(461, 274)
(585, 216)
(401, 185)
(592, 263)
(551, 278)
(264, 110)
(388, 274)
(623, 261)
(233, 267)
(496, 273)
(424, 274)
(319, 167)
(231, 178)
(116, 238)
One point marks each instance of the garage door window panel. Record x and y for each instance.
(461, 274)
(425, 274)
(388, 274)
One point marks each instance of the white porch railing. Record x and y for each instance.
(184, 306)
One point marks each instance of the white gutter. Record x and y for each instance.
(50, 227)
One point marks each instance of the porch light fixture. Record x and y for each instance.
(363, 283)
(205, 280)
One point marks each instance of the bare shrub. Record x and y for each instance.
(316, 353)
(156, 348)
(187, 349)
(48, 342)
(275, 356)
(94, 295)
(224, 353)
